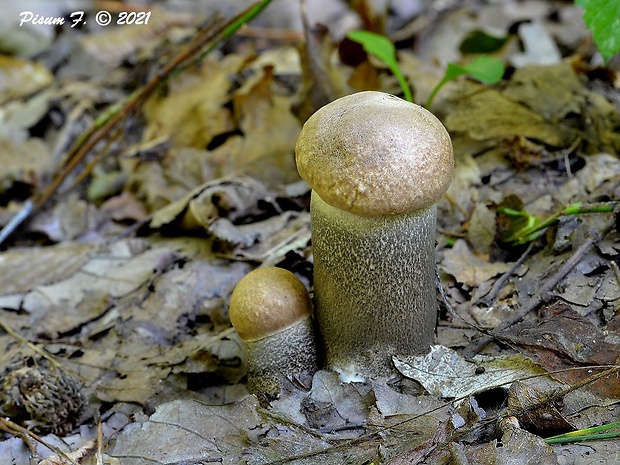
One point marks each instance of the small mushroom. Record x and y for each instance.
(377, 166)
(271, 311)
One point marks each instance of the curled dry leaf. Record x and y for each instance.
(231, 198)
(444, 373)
(532, 407)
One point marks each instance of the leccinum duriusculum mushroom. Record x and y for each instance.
(377, 166)
(271, 311)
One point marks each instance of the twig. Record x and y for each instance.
(540, 297)
(616, 270)
(27, 435)
(99, 439)
(46, 355)
(17, 220)
(497, 286)
(95, 161)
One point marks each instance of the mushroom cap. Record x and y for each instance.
(373, 154)
(266, 301)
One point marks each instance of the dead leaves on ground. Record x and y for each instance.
(141, 321)
(127, 303)
(532, 104)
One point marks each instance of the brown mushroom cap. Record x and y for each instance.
(373, 154)
(267, 301)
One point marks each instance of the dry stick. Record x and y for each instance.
(113, 136)
(36, 349)
(26, 435)
(497, 286)
(485, 300)
(99, 439)
(541, 296)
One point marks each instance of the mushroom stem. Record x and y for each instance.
(374, 282)
(289, 353)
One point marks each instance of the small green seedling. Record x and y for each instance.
(483, 68)
(521, 227)
(381, 48)
(596, 433)
(602, 17)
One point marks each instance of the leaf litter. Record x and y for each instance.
(124, 285)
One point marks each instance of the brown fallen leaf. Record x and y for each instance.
(23, 166)
(467, 268)
(193, 112)
(535, 412)
(565, 340)
(484, 114)
(23, 270)
(265, 150)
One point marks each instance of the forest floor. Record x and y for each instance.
(153, 167)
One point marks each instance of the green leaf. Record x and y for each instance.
(452, 72)
(608, 431)
(602, 17)
(376, 45)
(478, 41)
(484, 69)
(380, 47)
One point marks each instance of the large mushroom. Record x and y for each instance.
(377, 166)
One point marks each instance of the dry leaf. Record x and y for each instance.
(467, 268)
(24, 163)
(112, 45)
(265, 151)
(192, 113)
(444, 373)
(484, 113)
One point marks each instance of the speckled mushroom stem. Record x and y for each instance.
(374, 284)
(287, 354)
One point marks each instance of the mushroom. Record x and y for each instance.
(377, 166)
(271, 311)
